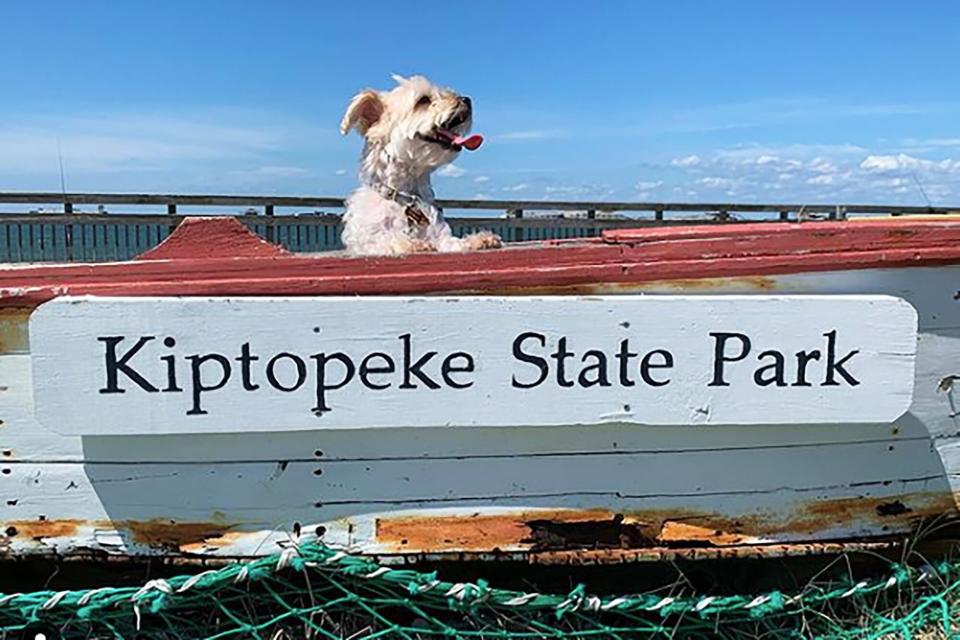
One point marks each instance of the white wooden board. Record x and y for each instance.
(125, 366)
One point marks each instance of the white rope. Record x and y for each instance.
(428, 586)
(339, 555)
(703, 604)
(85, 598)
(593, 603)
(5, 599)
(660, 605)
(54, 600)
(286, 557)
(243, 574)
(378, 572)
(852, 590)
(891, 582)
(159, 584)
(136, 612)
(194, 580)
(455, 590)
(756, 602)
(613, 604)
(521, 600)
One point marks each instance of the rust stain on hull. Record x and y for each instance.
(214, 543)
(157, 533)
(172, 534)
(41, 528)
(875, 511)
(474, 532)
(690, 534)
(544, 530)
(13, 330)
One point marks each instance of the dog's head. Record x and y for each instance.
(415, 122)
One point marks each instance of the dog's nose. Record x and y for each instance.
(466, 101)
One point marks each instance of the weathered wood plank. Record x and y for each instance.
(484, 361)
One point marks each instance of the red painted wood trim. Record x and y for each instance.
(636, 257)
(223, 237)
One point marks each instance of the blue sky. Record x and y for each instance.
(813, 101)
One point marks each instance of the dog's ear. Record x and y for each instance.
(364, 111)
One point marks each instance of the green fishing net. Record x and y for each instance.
(312, 591)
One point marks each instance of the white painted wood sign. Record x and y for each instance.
(195, 365)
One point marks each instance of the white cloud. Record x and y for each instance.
(340, 172)
(791, 155)
(648, 185)
(686, 161)
(481, 179)
(888, 163)
(715, 182)
(131, 142)
(904, 162)
(536, 134)
(824, 179)
(451, 171)
(281, 171)
(517, 187)
(931, 142)
(821, 165)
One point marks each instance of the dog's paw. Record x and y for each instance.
(420, 246)
(483, 240)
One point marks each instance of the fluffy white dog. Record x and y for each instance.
(409, 132)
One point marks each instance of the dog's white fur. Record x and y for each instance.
(397, 160)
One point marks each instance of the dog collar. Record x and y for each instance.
(410, 202)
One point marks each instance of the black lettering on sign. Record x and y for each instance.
(666, 362)
(561, 355)
(448, 368)
(523, 356)
(245, 359)
(721, 357)
(322, 387)
(198, 385)
(835, 366)
(299, 364)
(415, 369)
(171, 361)
(598, 369)
(772, 373)
(115, 366)
(366, 370)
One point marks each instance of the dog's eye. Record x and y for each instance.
(423, 101)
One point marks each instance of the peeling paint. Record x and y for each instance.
(540, 530)
(681, 533)
(694, 285)
(160, 532)
(13, 330)
(39, 529)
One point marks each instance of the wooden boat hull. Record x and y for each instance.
(554, 494)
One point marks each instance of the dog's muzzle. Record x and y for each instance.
(446, 136)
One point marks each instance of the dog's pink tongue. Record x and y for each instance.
(471, 142)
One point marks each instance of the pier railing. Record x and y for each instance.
(39, 227)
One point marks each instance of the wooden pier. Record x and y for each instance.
(121, 229)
